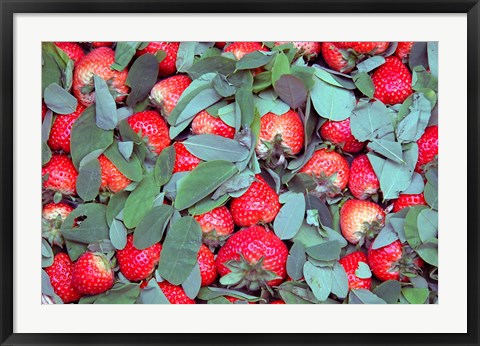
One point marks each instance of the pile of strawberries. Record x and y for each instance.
(240, 172)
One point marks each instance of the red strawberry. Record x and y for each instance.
(216, 225)
(112, 178)
(167, 66)
(92, 274)
(175, 294)
(206, 261)
(240, 49)
(360, 220)
(165, 94)
(220, 44)
(137, 265)
(391, 262)
(371, 48)
(72, 49)
(184, 160)
(54, 215)
(330, 170)
(363, 181)
(62, 176)
(98, 62)
(280, 136)
(339, 134)
(392, 81)
(204, 124)
(403, 49)
(258, 204)
(407, 200)
(52, 210)
(278, 301)
(342, 56)
(308, 49)
(427, 149)
(44, 110)
(101, 44)
(60, 273)
(61, 128)
(153, 127)
(350, 264)
(256, 257)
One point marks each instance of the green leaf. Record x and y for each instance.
(212, 147)
(291, 90)
(327, 251)
(207, 204)
(150, 229)
(387, 147)
(244, 107)
(370, 121)
(208, 293)
(180, 250)
(296, 260)
(115, 205)
(422, 80)
(47, 254)
(416, 185)
(89, 180)
(334, 80)
(239, 182)
(152, 294)
(418, 55)
(313, 202)
(364, 297)
(120, 294)
(253, 60)
(87, 137)
(411, 226)
(118, 234)
(202, 181)
(185, 55)
(105, 106)
(215, 64)
(192, 283)
(262, 81)
(386, 236)
(332, 102)
(319, 280)
(428, 251)
(431, 190)
(164, 165)
(396, 177)
(140, 201)
(339, 281)
(141, 78)
(59, 100)
(389, 291)
(67, 76)
(412, 127)
(281, 66)
(363, 271)
(427, 223)
(370, 64)
(131, 168)
(297, 293)
(54, 64)
(289, 219)
(364, 83)
(432, 52)
(222, 86)
(124, 52)
(415, 295)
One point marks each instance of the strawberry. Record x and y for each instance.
(62, 176)
(153, 127)
(361, 220)
(216, 225)
(253, 257)
(204, 124)
(408, 200)
(363, 181)
(175, 294)
(206, 261)
(280, 136)
(53, 215)
(98, 62)
(308, 49)
(72, 49)
(339, 134)
(184, 160)
(350, 264)
(167, 67)
(51, 211)
(427, 149)
(393, 261)
(240, 49)
(44, 110)
(101, 44)
(165, 94)
(92, 274)
(278, 301)
(112, 178)
(258, 204)
(342, 56)
(137, 265)
(403, 50)
(330, 170)
(371, 48)
(220, 45)
(392, 81)
(61, 129)
(60, 273)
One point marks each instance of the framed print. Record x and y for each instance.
(196, 163)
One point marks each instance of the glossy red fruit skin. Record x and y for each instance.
(50, 211)
(72, 49)
(92, 274)
(392, 81)
(259, 204)
(206, 262)
(350, 264)
(112, 179)
(60, 273)
(240, 49)
(403, 49)
(339, 134)
(287, 125)
(101, 44)
(382, 261)
(98, 62)
(44, 110)
(334, 58)
(62, 176)
(167, 67)
(135, 264)
(153, 127)
(219, 220)
(278, 301)
(408, 200)
(363, 181)
(165, 94)
(371, 48)
(254, 243)
(353, 216)
(427, 148)
(175, 294)
(206, 124)
(61, 130)
(184, 160)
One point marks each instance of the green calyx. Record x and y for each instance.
(274, 152)
(326, 187)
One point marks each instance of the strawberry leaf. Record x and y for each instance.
(370, 121)
(428, 251)
(295, 261)
(53, 65)
(185, 55)
(152, 294)
(89, 179)
(415, 295)
(411, 226)
(141, 78)
(131, 168)
(370, 64)
(207, 204)
(192, 283)
(332, 102)
(254, 60)
(59, 100)
(150, 229)
(326, 251)
(427, 223)
(115, 205)
(339, 281)
(164, 165)
(413, 125)
(281, 66)
(119, 294)
(389, 291)
(290, 218)
(364, 83)
(208, 293)
(244, 108)
(140, 201)
(416, 186)
(386, 236)
(364, 297)
(432, 52)
(291, 90)
(126, 149)
(418, 55)
(118, 234)
(212, 147)
(319, 280)
(124, 52)
(105, 107)
(215, 64)
(363, 271)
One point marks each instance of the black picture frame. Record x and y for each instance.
(9, 7)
